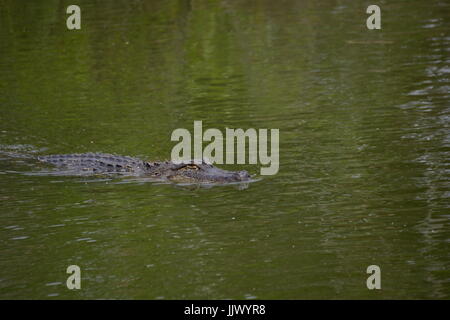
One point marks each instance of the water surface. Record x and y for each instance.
(364, 149)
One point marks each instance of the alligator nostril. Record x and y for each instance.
(243, 174)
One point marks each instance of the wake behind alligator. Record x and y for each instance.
(187, 172)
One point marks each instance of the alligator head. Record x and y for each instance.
(193, 172)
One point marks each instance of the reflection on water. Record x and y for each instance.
(364, 149)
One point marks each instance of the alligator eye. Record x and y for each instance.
(189, 167)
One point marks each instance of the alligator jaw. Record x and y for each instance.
(223, 177)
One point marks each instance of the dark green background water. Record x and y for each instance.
(364, 149)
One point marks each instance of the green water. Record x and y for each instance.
(364, 149)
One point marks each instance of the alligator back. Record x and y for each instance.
(96, 163)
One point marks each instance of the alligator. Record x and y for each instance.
(185, 172)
